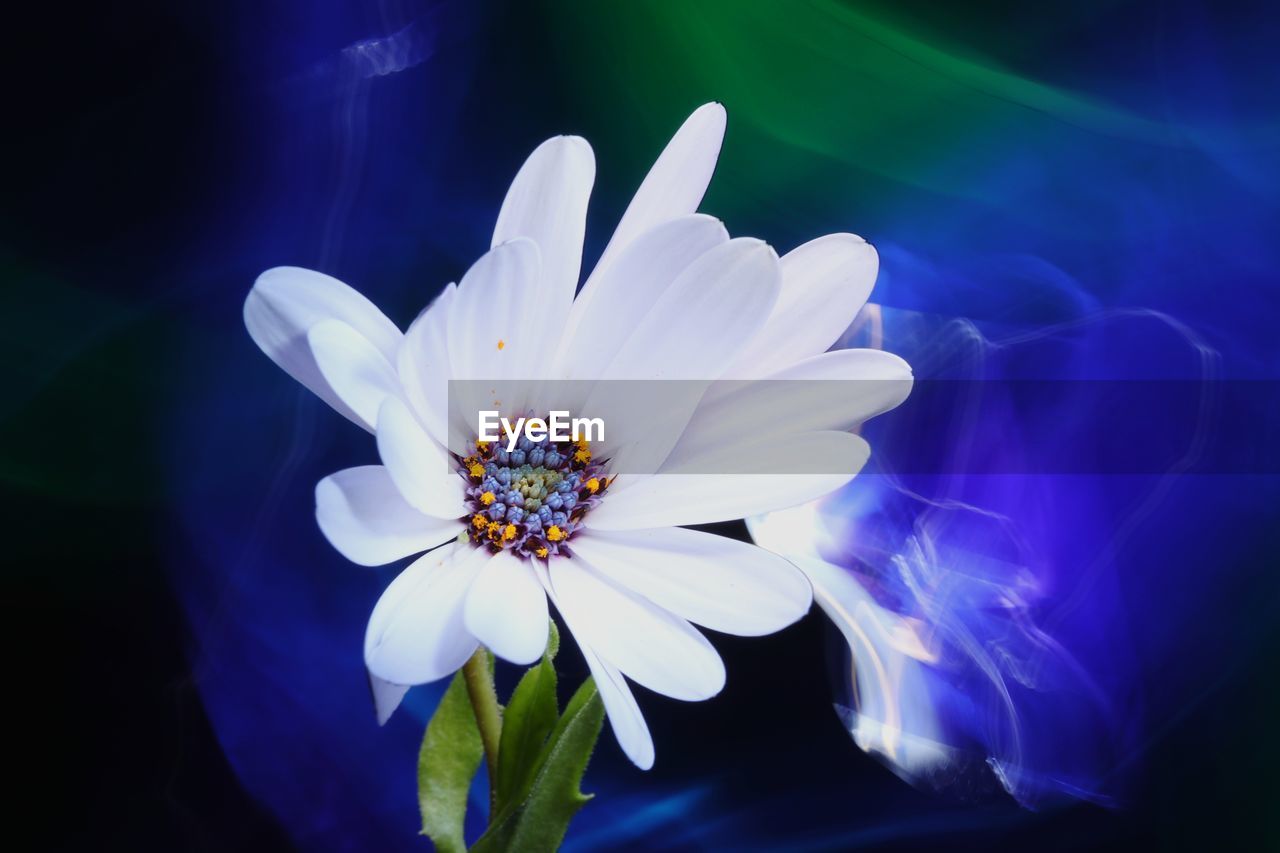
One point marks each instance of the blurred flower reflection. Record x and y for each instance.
(983, 630)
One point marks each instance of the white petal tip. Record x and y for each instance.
(570, 146)
(644, 762)
(752, 248)
(386, 697)
(278, 276)
(512, 649)
(711, 111)
(526, 656)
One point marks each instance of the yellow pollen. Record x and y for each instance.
(593, 485)
(482, 446)
(479, 521)
(509, 533)
(582, 455)
(476, 470)
(541, 552)
(554, 533)
(492, 529)
(486, 498)
(501, 343)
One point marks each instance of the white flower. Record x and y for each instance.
(671, 297)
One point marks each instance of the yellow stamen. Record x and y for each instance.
(582, 455)
(509, 533)
(541, 552)
(501, 343)
(482, 446)
(479, 521)
(554, 533)
(593, 485)
(486, 498)
(476, 470)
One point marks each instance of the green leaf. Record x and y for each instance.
(553, 640)
(530, 716)
(540, 820)
(450, 755)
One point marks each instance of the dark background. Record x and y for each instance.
(158, 156)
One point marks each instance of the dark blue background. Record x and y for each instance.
(186, 648)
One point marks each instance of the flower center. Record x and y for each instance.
(533, 499)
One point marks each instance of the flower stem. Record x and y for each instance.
(484, 701)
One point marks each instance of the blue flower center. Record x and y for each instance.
(530, 500)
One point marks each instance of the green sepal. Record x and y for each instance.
(541, 817)
(450, 756)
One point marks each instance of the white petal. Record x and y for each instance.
(830, 391)
(619, 704)
(490, 336)
(674, 186)
(630, 288)
(363, 516)
(825, 283)
(628, 724)
(358, 372)
(416, 632)
(692, 332)
(720, 583)
(547, 203)
(419, 467)
(675, 498)
(700, 322)
(650, 645)
(386, 697)
(423, 364)
(506, 609)
(286, 302)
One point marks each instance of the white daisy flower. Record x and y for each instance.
(672, 297)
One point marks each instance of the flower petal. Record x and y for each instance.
(506, 609)
(629, 727)
(693, 331)
(490, 314)
(363, 516)
(673, 498)
(419, 467)
(286, 302)
(830, 391)
(386, 697)
(619, 703)
(630, 287)
(491, 336)
(674, 186)
(423, 364)
(547, 203)
(416, 632)
(650, 645)
(699, 323)
(357, 371)
(825, 283)
(723, 584)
